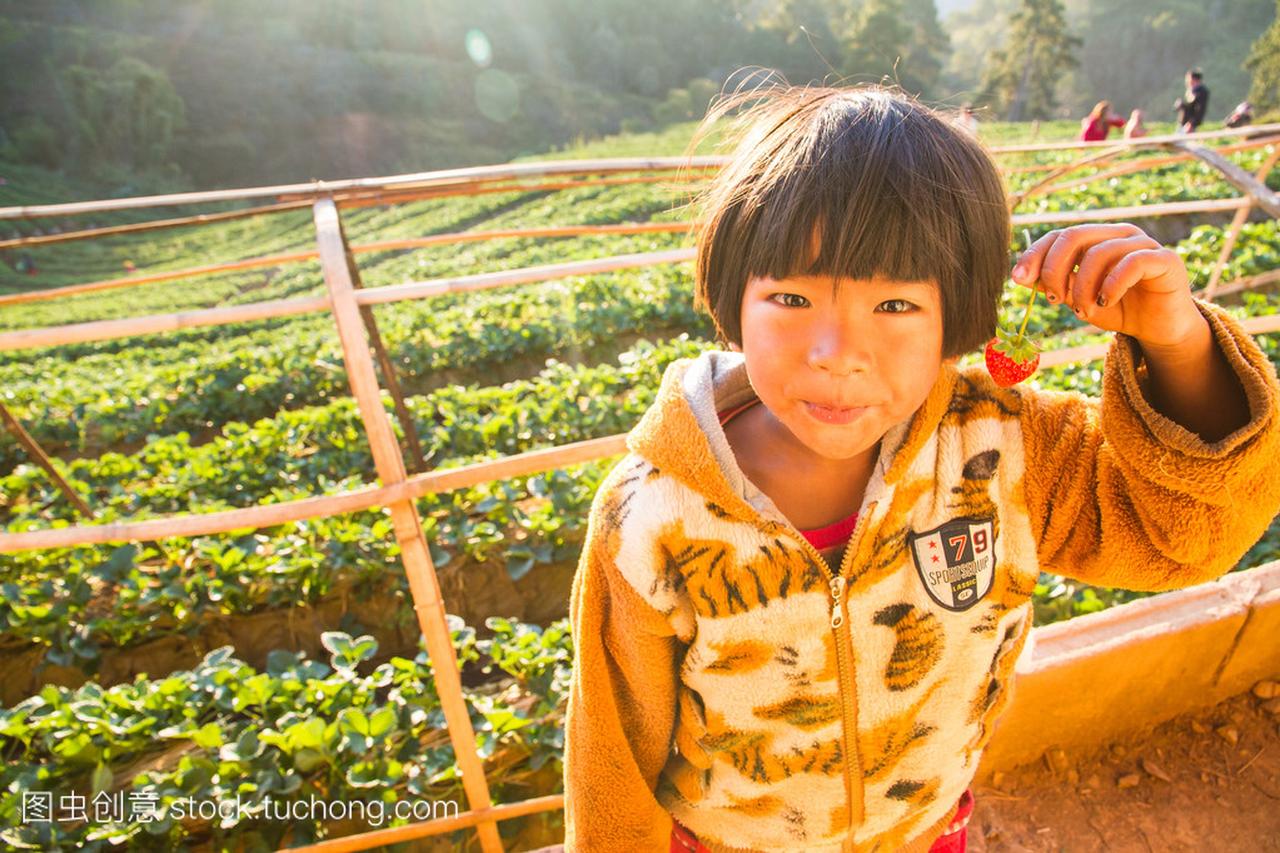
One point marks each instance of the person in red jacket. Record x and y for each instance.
(1096, 126)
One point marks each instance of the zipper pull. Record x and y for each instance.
(837, 593)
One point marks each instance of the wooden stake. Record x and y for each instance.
(36, 452)
(414, 553)
(1237, 223)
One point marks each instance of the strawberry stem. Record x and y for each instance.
(1035, 288)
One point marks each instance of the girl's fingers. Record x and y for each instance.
(1086, 286)
(1140, 265)
(1052, 258)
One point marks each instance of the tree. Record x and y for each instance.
(877, 40)
(1021, 78)
(929, 47)
(128, 114)
(1264, 64)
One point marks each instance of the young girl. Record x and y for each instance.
(804, 590)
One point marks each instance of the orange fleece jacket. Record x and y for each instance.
(728, 677)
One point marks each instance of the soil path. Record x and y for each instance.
(1209, 780)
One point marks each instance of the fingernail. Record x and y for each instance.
(1019, 273)
(1102, 301)
(1051, 297)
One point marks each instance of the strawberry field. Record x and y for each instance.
(285, 661)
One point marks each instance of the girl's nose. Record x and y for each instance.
(840, 348)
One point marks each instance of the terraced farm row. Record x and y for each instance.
(210, 419)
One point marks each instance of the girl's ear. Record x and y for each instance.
(734, 347)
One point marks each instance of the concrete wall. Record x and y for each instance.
(1094, 678)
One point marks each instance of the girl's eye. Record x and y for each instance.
(790, 300)
(897, 306)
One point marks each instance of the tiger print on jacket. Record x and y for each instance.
(710, 684)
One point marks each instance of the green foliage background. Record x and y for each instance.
(235, 92)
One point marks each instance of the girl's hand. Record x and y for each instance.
(1116, 277)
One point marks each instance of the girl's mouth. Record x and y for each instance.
(834, 414)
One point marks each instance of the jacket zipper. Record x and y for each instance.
(838, 582)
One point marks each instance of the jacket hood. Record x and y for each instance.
(681, 436)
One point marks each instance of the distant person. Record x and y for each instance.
(968, 120)
(26, 264)
(1194, 102)
(1240, 116)
(1134, 127)
(1095, 126)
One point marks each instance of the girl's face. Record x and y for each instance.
(838, 367)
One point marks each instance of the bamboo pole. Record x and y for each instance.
(414, 553)
(36, 452)
(153, 225)
(389, 376)
(1248, 283)
(398, 834)
(316, 189)
(387, 197)
(153, 278)
(105, 330)
(379, 246)
(524, 275)
(1237, 177)
(321, 506)
(1136, 211)
(1140, 142)
(1237, 223)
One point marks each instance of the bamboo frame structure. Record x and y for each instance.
(512, 171)
(351, 307)
(101, 330)
(424, 587)
(1259, 192)
(1142, 164)
(1237, 223)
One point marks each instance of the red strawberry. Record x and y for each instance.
(1011, 358)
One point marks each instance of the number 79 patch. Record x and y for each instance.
(956, 561)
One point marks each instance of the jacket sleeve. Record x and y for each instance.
(1119, 495)
(622, 702)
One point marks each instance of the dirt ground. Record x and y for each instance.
(1203, 781)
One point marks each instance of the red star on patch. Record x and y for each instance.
(935, 558)
(933, 544)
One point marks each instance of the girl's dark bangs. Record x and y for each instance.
(877, 231)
